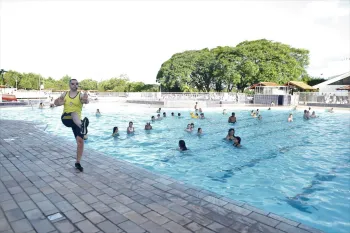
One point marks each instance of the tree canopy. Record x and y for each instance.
(226, 68)
(32, 81)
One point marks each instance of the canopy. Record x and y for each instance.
(300, 85)
(344, 88)
(266, 84)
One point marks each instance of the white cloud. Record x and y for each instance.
(94, 39)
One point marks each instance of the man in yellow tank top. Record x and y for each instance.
(72, 102)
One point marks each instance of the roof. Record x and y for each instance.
(332, 80)
(300, 85)
(344, 88)
(265, 84)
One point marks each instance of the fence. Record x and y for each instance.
(324, 98)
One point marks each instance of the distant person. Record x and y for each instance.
(224, 112)
(98, 113)
(272, 103)
(130, 128)
(172, 114)
(259, 117)
(257, 112)
(202, 116)
(200, 131)
(159, 110)
(41, 105)
(313, 115)
(200, 110)
(115, 132)
(269, 108)
(164, 114)
(179, 115)
(189, 128)
(252, 112)
(153, 118)
(232, 118)
(290, 118)
(237, 142)
(182, 145)
(309, 109)
(195, 107)
(192, 126)
(230, 134)
(331, 110)
(159, 117)
(148, 126)
(306, 115)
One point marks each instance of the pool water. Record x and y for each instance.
(299, 170)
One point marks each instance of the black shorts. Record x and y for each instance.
(68, 122)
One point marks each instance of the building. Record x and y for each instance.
(333, 83)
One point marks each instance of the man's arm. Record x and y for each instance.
(60, 100)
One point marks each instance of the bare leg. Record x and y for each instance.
(76, 119)
(80, 148)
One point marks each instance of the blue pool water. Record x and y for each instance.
(299, 170)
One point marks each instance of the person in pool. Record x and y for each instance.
(148, 126)
(159, 117)
(164, 114)
(98, 113)
(195, 107)
(192, 126)
(230, 134)
(232, 118)
(182, 145)
(252, 112)
(331, 110)
(41, 106)
(115, 132)
(189, 128)
(153, 118)
(130, 128)
(259, 117)
(200, 131)
(290, 118)
(159, 110)
(202, 116)
(172, 114)
(200, 110)
(237, 142)
(306, 115)
(313, 115)
(179, 115)
(224, 112)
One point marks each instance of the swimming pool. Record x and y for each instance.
(298, 170)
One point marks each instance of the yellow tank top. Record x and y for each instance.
(72, 104)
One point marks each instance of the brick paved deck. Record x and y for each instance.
(38, 180)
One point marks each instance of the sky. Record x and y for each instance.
(103, 39)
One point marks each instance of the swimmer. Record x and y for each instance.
(259, 117)
(237, 142)
(309, 109)
(202, 116)
(41, 106)
(98, 113)
(257, 112)
(200, 131)
(252, 112)
(159, 110)
(192, 125)
(197, 116)
(230, 134)
(159, 117)
(313, 115)
(254, 115)
(269, 108)
(153, 118)
(182, 145)
(195, 107)
(306, 115)
(130, 128)
(115, 132)
(232, 118)
(188, 129)
(331, 110)
(200, 110)
(172, 114)
(290, 118)
(148, 126)
(272, 103)
(164, 114)
(179, 115)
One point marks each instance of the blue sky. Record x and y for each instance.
(103, 39)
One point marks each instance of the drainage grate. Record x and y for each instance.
(55, 217)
